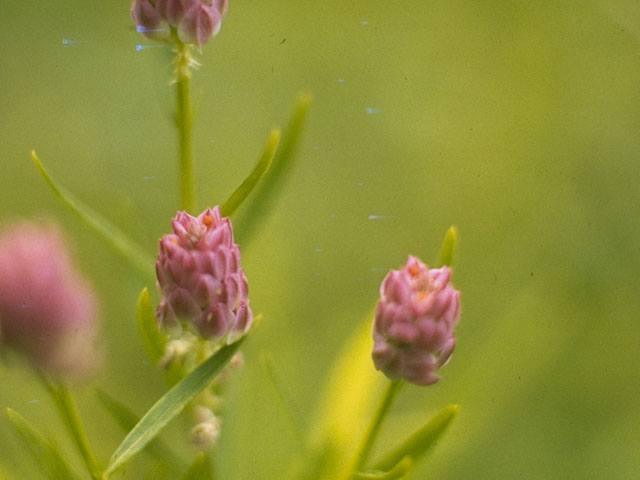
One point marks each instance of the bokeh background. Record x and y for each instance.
(516, 121)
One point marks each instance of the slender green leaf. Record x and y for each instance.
(123, 416)
(422, 440)
(400, 470)
(114, 237)
(261, 204)
(261, 168)
(127, 419)
(369, 438)
(153, 340)
(448, 249)
(200, 469)
(71, 419)
(49, 458)
(170, 405)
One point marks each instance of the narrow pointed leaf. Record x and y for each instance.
(448, 249)
(114, 237)
(49, 458)
(123, 416)
(153, 340)
(200, 469)
(422, 440)
(170, 405)
(71, 418)
(375, 424)
(127, 419)
(243, 191)
(400, 470)
(258, 208)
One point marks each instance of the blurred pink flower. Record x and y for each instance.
(199, 274)
(195, 21)
(47, 310)
(413, 328)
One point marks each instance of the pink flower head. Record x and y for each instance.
(413, 328)
(194, 21)
(47, 310)
(200, 278)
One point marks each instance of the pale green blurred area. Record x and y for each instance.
(516, 121)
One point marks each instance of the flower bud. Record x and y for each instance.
(200, 278)
(149, 22)
(207, 429)
(47, 310)
(199, 24)
(414, 320)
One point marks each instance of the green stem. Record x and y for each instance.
(185, 124)
(70, 417)
(374, 427)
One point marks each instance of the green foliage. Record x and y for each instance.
(418, 444)
(46, 454)
(127, 419)
(242, 192)
(170, 405)
(400, 470)
(71, 418)
(153, 340)
(448, 248)
(351, 392)
(518, 121)
(112, 235)
(270, 188)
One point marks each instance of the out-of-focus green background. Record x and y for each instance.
(519, 122)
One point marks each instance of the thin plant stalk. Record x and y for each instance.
(69, 413)
(362, 455)
(184, 122)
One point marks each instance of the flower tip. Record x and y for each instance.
(448, 248)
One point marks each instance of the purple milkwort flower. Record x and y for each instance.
(196, 21)
(148, 20)
(200, 278)
(47, 310)
(414, 320)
